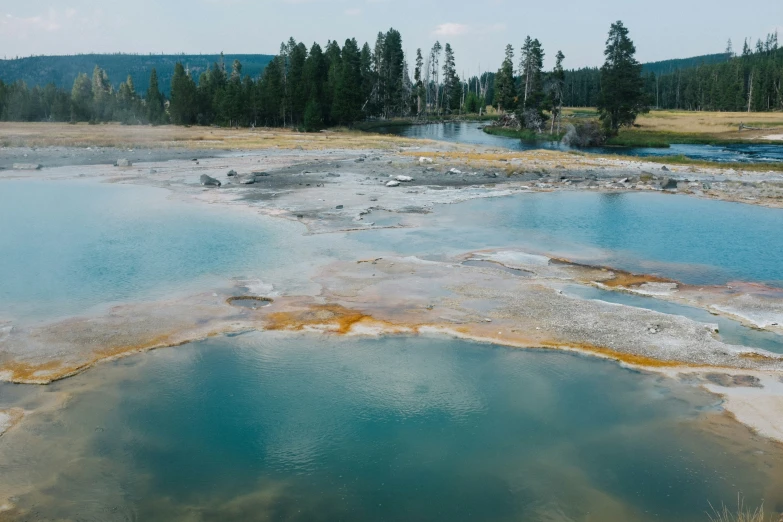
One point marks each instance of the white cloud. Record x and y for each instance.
(23, 26)
(456, 29)
(451, 29)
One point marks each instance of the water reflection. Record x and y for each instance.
(261, 426)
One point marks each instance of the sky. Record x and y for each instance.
(478, 30)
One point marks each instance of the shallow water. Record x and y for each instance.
(731, 332)
(693, 240)
(472, 133)
(68, 246)
(260, 427)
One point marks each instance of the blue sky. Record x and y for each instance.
(478, 30)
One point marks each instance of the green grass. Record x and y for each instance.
(664, 139)
(402, 122)
(524, 135)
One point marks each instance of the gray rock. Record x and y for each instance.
(122, 162)
(359, 160)
(27, 166)
(665, 168)
(669, 184)
(209, 181)
(261, 174)
(339, 207)
(231, 173)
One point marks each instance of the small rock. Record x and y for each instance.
(404, 178)
(339, 207)
(425, 160)
(27, 166)
(665, 168)
(359, 160)
(454, 171)
(209, 181)
(231, 173)
(393, 183)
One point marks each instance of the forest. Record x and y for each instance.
(748, 81)
(317, 87)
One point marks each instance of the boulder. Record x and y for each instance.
(231, 173)
(122, 162)
(339, 207)
(425, 160)
(27, 166)
(404, 178)
(393, 183)
(454, 171)
(668, 184)
(665, 168)
(209, 181)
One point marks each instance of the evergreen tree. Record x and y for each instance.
(452, 87)
(622, 95)
(81, 99)
(183, 106)
(102, 95)
(155, 110)
(531, 68)
(315, 78)
(347, 95)
(419, 86)
(392, 73)
(556, 88)
(505, 96)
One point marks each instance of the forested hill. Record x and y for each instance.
(669, 66)
(62, 70)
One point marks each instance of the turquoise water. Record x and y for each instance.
(259, 427)
(472, 133)
(731, 332)
(70, 245)
(692, 240)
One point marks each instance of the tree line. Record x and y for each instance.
(751, 80)
(300, 87)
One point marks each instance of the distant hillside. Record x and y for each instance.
(669, 66)
(62, 70)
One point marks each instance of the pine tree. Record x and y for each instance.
(392, 73)
(622, 96)
(556, 88)
(452, 88)
(532, 87)
(505, 95)
(419, 87)
(347, 96)
(183, 106)
(81, 99)
(154, 99)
